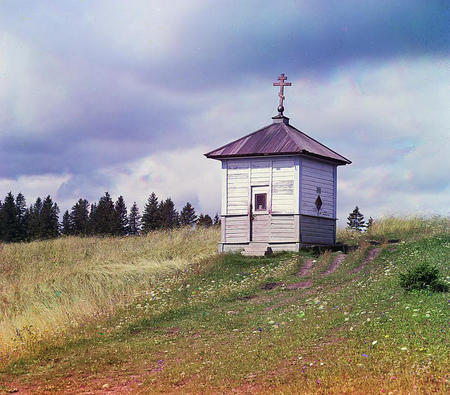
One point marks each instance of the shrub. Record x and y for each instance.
(423, 276)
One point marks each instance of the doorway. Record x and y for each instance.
(259, 214)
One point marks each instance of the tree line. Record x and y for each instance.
(105, 218)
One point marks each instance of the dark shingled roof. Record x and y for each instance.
(279, 138)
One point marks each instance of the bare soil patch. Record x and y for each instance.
(269, 286)
(338, 259)
(371, 255)
(302, 284)
(306, 268)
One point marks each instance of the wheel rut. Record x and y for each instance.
(337, 261)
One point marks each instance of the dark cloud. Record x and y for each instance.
(131, 89)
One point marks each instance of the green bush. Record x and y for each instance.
(423, 276)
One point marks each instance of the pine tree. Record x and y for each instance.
(356, 220)
(168, 214)
(151, 218)
(79, 218)
(369, 222)
(204, 220)
(66, 225)
(21, 217)
(34, 220)
(49, 221)
(134, 220)
(121, 226)
(1, 221)
(105, 216)
(187, 215)
(216, 220)
(9, 222)
(92, 219)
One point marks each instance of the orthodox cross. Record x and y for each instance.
(281, 84)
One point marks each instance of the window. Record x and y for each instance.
(260, 201)
(318, 203)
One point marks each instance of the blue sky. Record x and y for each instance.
(126, 96)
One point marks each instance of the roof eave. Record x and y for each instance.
(303, 152)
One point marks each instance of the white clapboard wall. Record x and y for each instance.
(316, 175)
(294, 184)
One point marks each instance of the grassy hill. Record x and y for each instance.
(165, 313)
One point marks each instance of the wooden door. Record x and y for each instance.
(259, 214)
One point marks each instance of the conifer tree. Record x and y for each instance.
(216, 220)
(9, 223)
(168, 214)
(356, 220)
(151, 218)
(105, 216)
(34, 220)
(369, 222)
(134, 220)
(1, 221)
(187, 215)
(204, 220)
(66, 225)
(49, 219)
(21, 217)
(79, 217)
(92, 216)
(121, 226)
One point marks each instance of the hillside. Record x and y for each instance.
(165, 313)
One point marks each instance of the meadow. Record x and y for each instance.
(165, 313)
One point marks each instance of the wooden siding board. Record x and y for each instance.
(317, 230)
(317, 174)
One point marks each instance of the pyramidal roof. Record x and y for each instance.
(279, 138)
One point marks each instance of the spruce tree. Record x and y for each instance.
(187, 215)
(9, 222)
(168, 214)
(34, 220)
(92, 219)
(66, 225)
(121, 226)
(21, 217)
(105, 216)
(204, 220)
(79, 217)
(356, 220)
(1, 221)
(216, 220)
(151, 218)
(49, 219)
(369, 222)
(134, 220)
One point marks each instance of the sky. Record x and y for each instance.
(127, 96)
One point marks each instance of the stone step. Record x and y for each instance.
(254, 253)
(257, 250)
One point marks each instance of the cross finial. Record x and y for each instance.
(281, 84)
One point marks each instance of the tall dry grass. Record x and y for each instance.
(393, 227)
(47, 287)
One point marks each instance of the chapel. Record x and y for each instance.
(279, 188)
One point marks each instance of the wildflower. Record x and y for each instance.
(365, 355)
(374, 342)
(404, 349)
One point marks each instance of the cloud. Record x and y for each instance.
(89, 87)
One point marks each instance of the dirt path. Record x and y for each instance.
(338, 259)
(371, 255)
(306, 268)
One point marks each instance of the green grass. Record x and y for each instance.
(210, 327)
